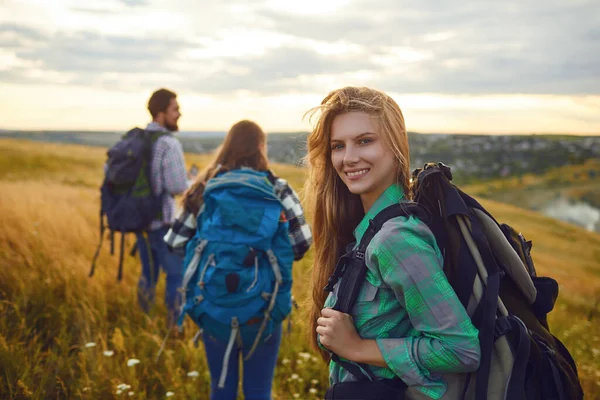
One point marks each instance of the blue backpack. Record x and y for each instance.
(238, 266)
(126, 195)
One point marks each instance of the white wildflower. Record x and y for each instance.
(108, 353)
(170, 394)
(123, 386)
(305, 356)
(90, 344)
(296, 395)
(132, 361)
(314, 381)
(85, 389)
(193, 374)
(295, 376)
(312, 391)
(130, 394)
(119, 391)
(285, 361)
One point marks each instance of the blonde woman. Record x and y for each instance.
(407, 327)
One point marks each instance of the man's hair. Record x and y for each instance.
(159, 101)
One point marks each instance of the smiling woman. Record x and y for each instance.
(407, 327)
(361, 157)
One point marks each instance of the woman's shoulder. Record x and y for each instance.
(404, 232)
(278, 182)
(404, 241)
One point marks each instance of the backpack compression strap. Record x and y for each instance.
(353, 268)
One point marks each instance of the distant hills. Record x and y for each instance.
(570, 193)
(472, 157)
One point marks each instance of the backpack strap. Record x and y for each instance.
(120, 274)
(354, 272)
(102, 229)
(267, 315)
(112, 242)
(522, 346)
(235, 330)
(353, 268)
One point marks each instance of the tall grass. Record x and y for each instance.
(64, 335)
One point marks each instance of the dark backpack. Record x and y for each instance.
(127, 198)
(491, 270)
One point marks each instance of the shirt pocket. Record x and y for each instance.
(367, 292)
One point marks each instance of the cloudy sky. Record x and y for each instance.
(453, 66)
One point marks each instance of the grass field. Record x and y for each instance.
(574, 182)
(64, 335)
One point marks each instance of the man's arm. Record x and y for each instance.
(173, 168)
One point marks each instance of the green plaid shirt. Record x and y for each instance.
(407, 305)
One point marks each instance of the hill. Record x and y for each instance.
(472, 157)
(64, 335)
(570, 193)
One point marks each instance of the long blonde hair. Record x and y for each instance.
(335, 210)
(244, 146)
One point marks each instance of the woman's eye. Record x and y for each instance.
(336, 146)
(365, 141)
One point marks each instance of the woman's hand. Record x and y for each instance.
(338, 334)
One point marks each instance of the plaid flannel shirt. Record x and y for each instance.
(168, 174)
(300, 234)
(407, 305)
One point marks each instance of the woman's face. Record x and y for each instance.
(360, 157)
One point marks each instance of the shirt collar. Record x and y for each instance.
(154, 126)
(392, 195)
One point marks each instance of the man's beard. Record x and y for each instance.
(171, 127)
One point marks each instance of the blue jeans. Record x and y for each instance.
(258, 371)
(163, 259)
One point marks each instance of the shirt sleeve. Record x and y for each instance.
(299, 230)
(181, 232)
(444, 338)
(173, 167)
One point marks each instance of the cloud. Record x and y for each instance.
(411, 46)
(135, 3)
(276, 71)
(87, 58)
(15, 36)
(94, 11)
(486, 47)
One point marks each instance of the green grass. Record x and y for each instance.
(51, 309)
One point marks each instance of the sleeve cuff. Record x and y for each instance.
(397, 355)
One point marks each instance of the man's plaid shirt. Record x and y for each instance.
(168, 174)
(299, 232)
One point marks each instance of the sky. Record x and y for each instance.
(453, 66)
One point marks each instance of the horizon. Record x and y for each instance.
(511, 68)
(224, 132)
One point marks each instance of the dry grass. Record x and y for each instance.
(50, 308)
